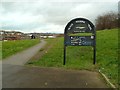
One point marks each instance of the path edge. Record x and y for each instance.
(107, 80)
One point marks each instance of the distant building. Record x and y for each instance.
(10, 35)
(15, 35)
(47, 36)
(43, 37)
(52, 36)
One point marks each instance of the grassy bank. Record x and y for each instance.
(81, 57)
(12, 47)
(0, 50)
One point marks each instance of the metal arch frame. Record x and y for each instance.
(94, 34)
(91, 24)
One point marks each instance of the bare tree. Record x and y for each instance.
(107, 21)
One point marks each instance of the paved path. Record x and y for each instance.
(22, 57)
(14, 63)
(16, 75)
(38, 77)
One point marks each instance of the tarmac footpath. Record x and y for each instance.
(16, 75)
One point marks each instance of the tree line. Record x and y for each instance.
(107, 21)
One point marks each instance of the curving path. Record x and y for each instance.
(13, 64)
(22, 57)
(16, 75)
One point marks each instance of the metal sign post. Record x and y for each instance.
(80, 25)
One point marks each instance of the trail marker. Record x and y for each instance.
(76, 26)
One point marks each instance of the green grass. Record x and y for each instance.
(11, 47)
(81, 57)
(107, 54)
(80, 34)
(0, 50)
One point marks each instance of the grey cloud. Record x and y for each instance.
(21, 26)
(55, 13)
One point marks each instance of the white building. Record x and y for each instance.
(45, 36)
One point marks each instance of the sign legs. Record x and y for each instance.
(94, 55)
(64, 55)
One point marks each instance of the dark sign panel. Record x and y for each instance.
(80, 25)
(79, 41)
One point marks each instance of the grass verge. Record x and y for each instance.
(81, 57)
(11, 47)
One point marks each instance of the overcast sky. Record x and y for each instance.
(49, 15)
